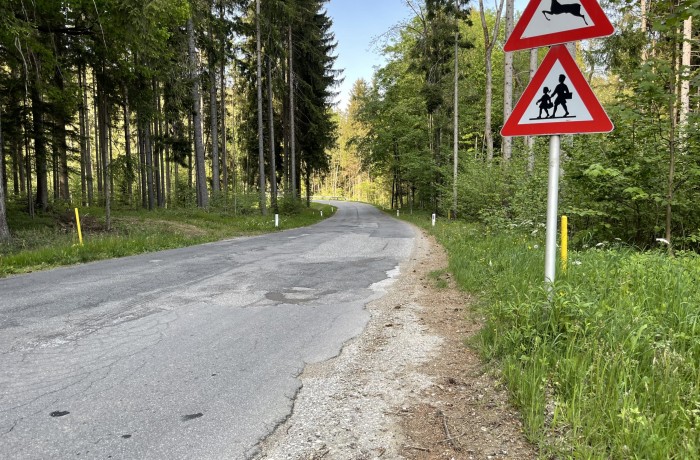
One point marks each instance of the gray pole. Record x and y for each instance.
(552, 210)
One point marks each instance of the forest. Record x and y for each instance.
(425, 130)
(169, 103)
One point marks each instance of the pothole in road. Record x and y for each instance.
(187, 418)
(296, 296)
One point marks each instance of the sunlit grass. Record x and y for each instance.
(51, 241)
(610, 368)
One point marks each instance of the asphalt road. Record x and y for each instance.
(185, 354)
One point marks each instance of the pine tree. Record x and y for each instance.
(315, 80)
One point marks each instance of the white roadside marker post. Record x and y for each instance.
(552, 207)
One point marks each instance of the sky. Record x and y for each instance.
(357, 25)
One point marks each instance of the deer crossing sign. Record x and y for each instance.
(550, 22)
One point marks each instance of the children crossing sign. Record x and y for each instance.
(558, 100)
(550, 22)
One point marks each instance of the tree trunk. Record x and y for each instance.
(4, 230)
(214, 127)
(685, 76)
(127, 149)
(60, 142)
(161, 161)
(17, 168)
(42, 184)
(222, 80)
(88, 148)
(489, 43)
(28, 167)
(169, 170)
(155, 145)
(292, 130)
(148, 149)
(157, 140)
(83, 136)
(190, 138)
(142, 162)
(202, 194)
(673, 114)
(3, 163)
(273, 153)
(530, 140)
(261, 153)
(234, 166)
(308, 186)
(643, 6)
(17, 171)
(98, 158)
(110, 137)
(104, 150)
(455, 140)
(508, 81)
(488, 135)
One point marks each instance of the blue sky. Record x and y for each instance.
(357, 24)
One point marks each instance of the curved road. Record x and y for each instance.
(191, 353)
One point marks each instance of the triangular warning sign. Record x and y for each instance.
(550, 22)
(558, 100)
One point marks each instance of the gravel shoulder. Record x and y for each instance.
(407, 387)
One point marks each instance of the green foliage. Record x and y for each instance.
(616, 186)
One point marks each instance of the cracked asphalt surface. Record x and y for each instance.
(189, 353)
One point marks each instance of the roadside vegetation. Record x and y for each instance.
(610, 368)
(51, 239)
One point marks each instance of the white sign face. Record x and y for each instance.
(556, 100)
(552, 16)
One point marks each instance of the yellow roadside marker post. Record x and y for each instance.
(77, 221)
(564, 242)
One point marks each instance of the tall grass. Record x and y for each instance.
(610, 367)
(48, 241)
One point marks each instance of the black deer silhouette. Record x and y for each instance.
(570, 8)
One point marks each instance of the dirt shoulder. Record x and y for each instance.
(407, 388)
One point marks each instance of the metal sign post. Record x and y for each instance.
(550, 262)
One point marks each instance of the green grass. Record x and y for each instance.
(610, 368)
(51, 240)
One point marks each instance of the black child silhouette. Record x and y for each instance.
(544, 103)
(562, 93)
